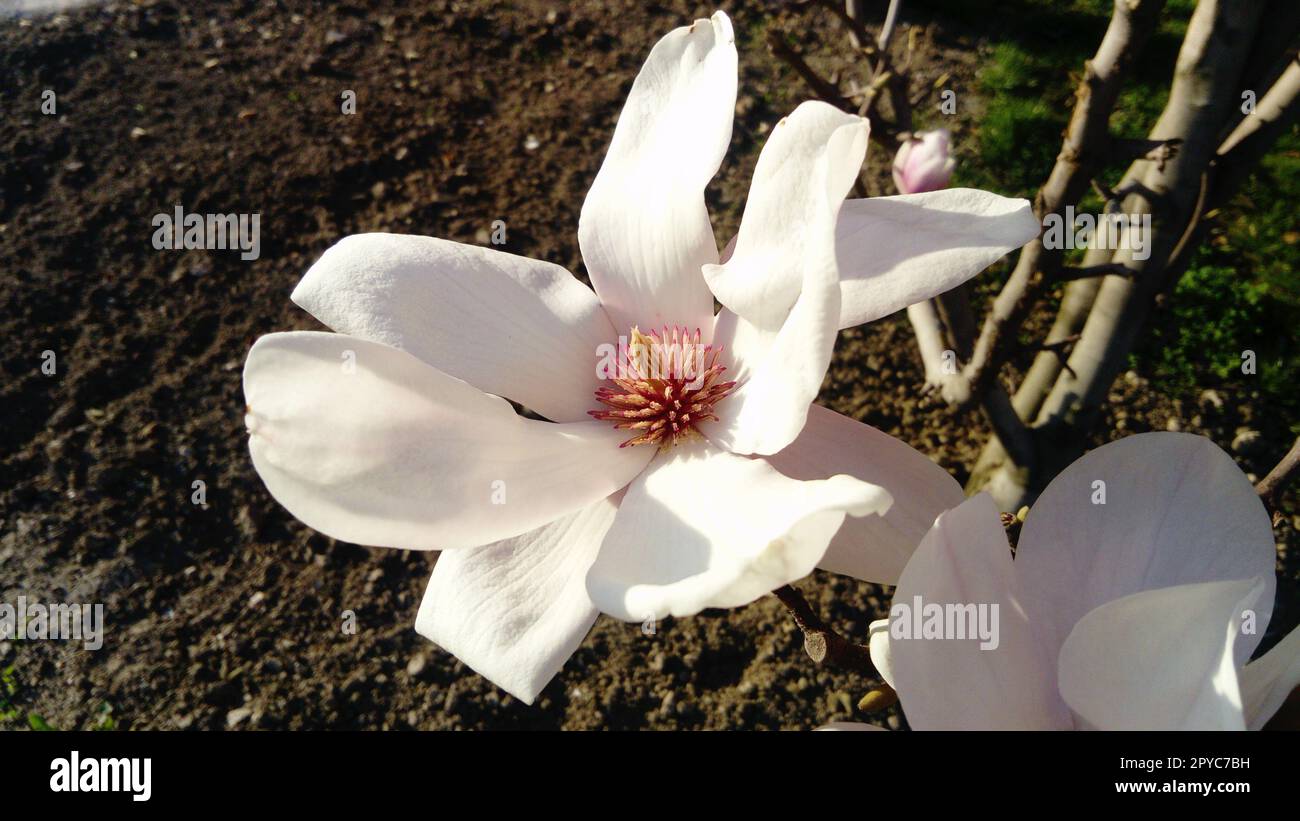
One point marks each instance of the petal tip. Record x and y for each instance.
(722, 27)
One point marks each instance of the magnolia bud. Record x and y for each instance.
(923, 163)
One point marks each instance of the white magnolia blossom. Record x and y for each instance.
(1139, 612)
(393, 432)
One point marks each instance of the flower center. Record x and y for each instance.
(664, 386)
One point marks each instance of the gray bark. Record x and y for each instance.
(1203, 99)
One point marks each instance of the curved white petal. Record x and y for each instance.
(780, 286)
(871, 548)
(1005, 681)
(1268, 680)
(506, 324)
(847, 727)
(514, 611)
(644, 231)
(896, 251)
(1160, 659)
(705, 528)
(805, 170)
(368, 444)
(878, 646)
(1177, 511)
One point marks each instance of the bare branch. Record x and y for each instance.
(823, 88)
(1271, 486)
(1060, 348)
(1157, 151)
(1219, 38)
(820, 642)
(1070, 273)
(1235, 159)
(1082, 153)
(881, 132)
(924, 318)
(850, 13)
(1273, 50)
(1009, 427)
(887, 30)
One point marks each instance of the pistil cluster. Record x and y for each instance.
(665, 386)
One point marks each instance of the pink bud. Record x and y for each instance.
(923, 163)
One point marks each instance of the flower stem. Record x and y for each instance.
(820, 642)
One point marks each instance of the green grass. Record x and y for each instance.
(11, 716)
(8, 689)
(1241, 292)
(1020, 133)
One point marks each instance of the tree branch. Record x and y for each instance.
(1219, 38)
(1070, 273)
(820, 642)
(1084, 149)
(850, 13)
(882, 133)
(1124, 151)
(823, 88)
(1271, 486)
(887, 30)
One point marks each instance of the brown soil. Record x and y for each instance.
(228, 614)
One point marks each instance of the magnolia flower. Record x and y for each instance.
(1141, 585)
(644, 491)
(923, 162)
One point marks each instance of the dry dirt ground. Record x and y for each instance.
(228, 614)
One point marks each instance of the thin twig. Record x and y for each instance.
(1125, 150)
(858, 33)
(887, 30)
(1061, 349)
(820, 642)
(881, 132)
(822, 87)
(1070, 273)
(1271, 486)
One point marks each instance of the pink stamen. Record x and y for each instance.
(666, 386)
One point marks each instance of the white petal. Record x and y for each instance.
(506, 324)
(514, 611)
(805, 170)
(847, 726)
(949, 683)
(781, 285)
(368, 444)
(871, 548)
(896, 251)
(1160, 659)
(644, 230)
(878, 645)
(1268, 680)
(1177, 511)
(705, 528)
